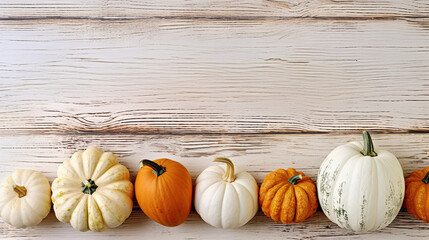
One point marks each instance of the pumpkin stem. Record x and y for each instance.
(294, 180)
(157, 169)
(89, 187)
(426, 178)
(368, 146)
(20, 190)
(229, 172)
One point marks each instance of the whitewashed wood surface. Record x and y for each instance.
(270, 84)
(213, 9)
(259, 154)
(189, 76)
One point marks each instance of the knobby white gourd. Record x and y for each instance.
(226, 197)
(361, 187)
(25, 198)
(92, 191)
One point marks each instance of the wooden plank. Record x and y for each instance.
(188, 77)
(405, 226)
(211, 9)
(258, 154)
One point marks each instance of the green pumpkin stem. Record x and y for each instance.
(157, 169)
(426, 178)
(368, 146)
(20, 190)
(294, 180)
(229, 175)
(89, 186)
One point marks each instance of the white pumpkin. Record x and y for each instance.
(25, 198)
(361, 187)
(92, 191)
(225, 198)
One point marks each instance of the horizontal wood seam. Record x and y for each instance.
(178, 133)
(223, 18)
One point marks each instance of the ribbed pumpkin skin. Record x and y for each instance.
(417, 195)
(288, 203)
(167, 198)
(358, 192)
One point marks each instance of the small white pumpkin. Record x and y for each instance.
(25, 198)
(92, 191)
(225, 198)
(361, 187)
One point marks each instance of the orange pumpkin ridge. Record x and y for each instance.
(426, 204)
(163, 190)
(290, 205)
(265, 205)
(303, 209)
(309, 187)
(288, 196)
(277, 203)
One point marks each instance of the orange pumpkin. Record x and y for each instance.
(417, 194)
(164, 191)
(288, 196)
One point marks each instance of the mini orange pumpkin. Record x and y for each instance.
(164, 191)
(417, 194)
(288, 196)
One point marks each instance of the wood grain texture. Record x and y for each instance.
(191, 80)
(260, 227)
(192, 77)
(258, 154)
(212, 9)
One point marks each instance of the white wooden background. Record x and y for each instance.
(269, 83)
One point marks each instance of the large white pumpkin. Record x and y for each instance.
(92, 191)
(25, 198)
(224, 197)
(361, 187)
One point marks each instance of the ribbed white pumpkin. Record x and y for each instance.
(25, 198)
(92, 191)
(224, 197)
(361, 187)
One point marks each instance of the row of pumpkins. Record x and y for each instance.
(359, 187)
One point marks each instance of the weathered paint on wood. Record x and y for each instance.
(405, 226)
(191, 80)
(195, 76)
(224, 9)
(258, 154)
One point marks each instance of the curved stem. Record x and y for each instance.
(89, 186)
(426, 178)
(20, 190)
(294, 180)
(157, 169)
(368, 146)
(229, 175)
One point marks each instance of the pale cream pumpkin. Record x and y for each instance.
(25, 198)
(225, 196)
(92, 191)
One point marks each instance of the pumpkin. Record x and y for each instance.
(417, 194)
(226, 197)
(92, 191)
(25, 198)
(360, 187)
(164, 191)
(288, 196)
